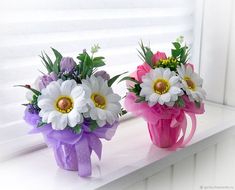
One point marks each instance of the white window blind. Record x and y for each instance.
(29, 26)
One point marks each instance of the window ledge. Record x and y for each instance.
(127, 159)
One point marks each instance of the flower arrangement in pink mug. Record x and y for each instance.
(163, 90)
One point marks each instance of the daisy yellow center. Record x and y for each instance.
(64, 104)
(99, 100)
(190, 83)
(161, 86)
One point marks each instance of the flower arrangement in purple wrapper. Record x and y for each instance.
(73, 106)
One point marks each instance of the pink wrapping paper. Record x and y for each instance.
(167, 125)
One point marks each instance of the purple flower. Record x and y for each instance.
(102, 74)
(31, 116)
(46, 79)
(67, 64)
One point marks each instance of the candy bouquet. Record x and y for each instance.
(73, 106)
(163, 90)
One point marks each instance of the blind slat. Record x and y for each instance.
(27, 27)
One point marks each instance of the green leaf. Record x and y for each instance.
(180, 102)
(98, 63)
(36, 92)
(41, 124)
(77, 129)
(146, 54)
(93, 125)
(176, 45)
(130, 79)
(56, 65)
(175, 53)
(123, 112)
(112, 80)
(197, 104)
(46, 62)
(140, 99)
(149, 55)
(57, 54)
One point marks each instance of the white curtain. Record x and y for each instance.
(29, 26)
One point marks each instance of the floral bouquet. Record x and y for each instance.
(162, 91)
(73, 106)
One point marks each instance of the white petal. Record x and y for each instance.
(146, 91)
(113, 98)
(67, 87)
(94, 83)
(175, 90)
(74, 118)
(173, 80)
(53, 89)
(110, 117)
(101, 114)
(174, 97)
(170, 104)
(167, 74)
(78, 91)
(46, 104)
(105, 89)
(181, 71)
(60, 123)
(93, 114)
(165, 97)
(189, 71)
(197, 79)
(53, 116)
(154, 97)
(44, 115)
(115, 108)
(101, 123)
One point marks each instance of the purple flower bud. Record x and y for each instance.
(67, 64)
(46, 79)
(102, 74)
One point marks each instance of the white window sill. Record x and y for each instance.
(127, 159)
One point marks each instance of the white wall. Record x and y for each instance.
(217, 47)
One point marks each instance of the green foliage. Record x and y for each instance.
(123, 112)
(140, 99)
(41, 124)
(136, 89)
(56, 65)
(130, 79)
(113, 79)
(88, 64)
(36, 92)
(47, 62)
(77, 129)
(197, 104)
(93, 125)
(146, 54)
(180, 52)
(180, 102)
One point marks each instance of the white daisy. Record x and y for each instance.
(62, 103)
(160, 86)
(104, 104)
(192, 83)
